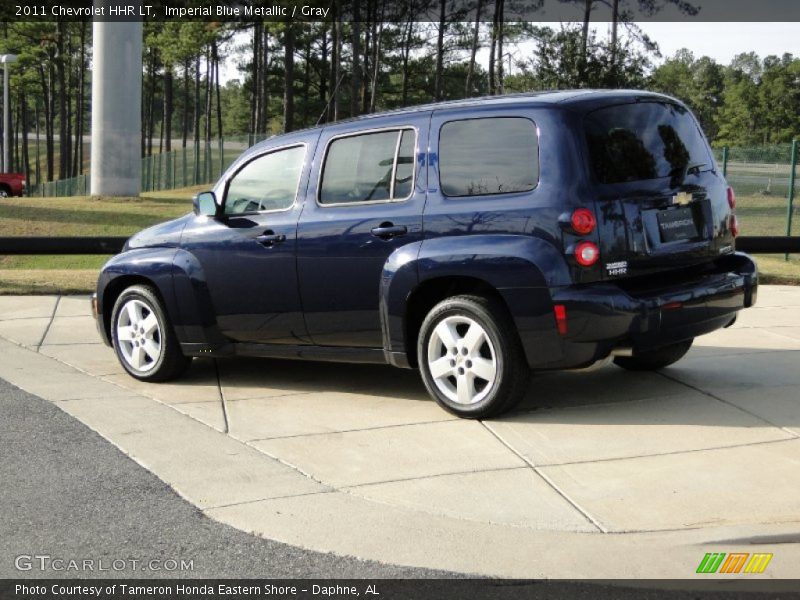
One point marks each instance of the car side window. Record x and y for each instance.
(494, 155)
(268, 182)
(369, 167)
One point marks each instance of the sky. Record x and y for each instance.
(723, 41)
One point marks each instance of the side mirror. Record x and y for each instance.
(205, 203)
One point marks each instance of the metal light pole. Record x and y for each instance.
(6, 60)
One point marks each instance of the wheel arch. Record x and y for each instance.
(516, 270)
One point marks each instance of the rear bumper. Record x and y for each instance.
(652, 312)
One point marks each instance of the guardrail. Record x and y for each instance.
(112, 245)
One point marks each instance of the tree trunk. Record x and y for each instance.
(207, 134)
(614, 41)
(587, 17)
(406, 53)
(493, 48)
(306, 80)
(264, 110)
(185, 122)
(355, 80)
(474, 49)
(63, 94)
(215, 52)
(48, 122)
(439, 84)
(38, 170)
(26, 163)
(336, 36)
(369, 38)
(288, 79)
(77, 165)
(69, 84)
(254, 72)
(500, 36)
(168, 108)
(324, 73)
(376, 61)
(196, 127)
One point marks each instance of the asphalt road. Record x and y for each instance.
(68, 494)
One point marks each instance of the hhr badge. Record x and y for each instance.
(682, 199)
(617, 268)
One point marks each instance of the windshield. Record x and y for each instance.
(646, 140)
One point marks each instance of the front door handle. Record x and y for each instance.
(387, 231)
(270, 238)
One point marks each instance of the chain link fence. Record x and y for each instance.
(765, 184)
(195, 164)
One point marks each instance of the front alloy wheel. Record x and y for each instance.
(471, 358)
(143, 338)
(139, 335)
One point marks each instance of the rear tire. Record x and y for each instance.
(470, 357)
(143, 337)
(654, 359)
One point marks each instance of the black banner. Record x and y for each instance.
(248, 11)
(387, 589)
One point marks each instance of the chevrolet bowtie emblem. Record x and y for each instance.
(683, 198)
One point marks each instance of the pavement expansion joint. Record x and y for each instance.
(49, 324)
(548, 480)
(222, 399)
(354, 430)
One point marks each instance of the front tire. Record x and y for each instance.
(143, 337)
(470, 357)
(654, 359)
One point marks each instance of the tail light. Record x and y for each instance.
(731, 198)
(560, 312)
(587, 253)
(583, 221)
(733, 225)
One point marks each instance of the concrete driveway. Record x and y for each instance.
(599, 474)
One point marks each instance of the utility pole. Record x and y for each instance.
(116, 103)
(6, 60)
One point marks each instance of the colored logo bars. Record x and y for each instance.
(735, 562)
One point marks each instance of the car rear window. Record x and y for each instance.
(488, 156)
(646, 140)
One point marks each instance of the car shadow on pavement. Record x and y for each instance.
(711, 387)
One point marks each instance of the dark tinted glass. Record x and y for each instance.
(646, 140)
(359, 168)
(488, 156)
(404, 175)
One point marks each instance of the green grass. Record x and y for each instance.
(764, 215)
(78, 216)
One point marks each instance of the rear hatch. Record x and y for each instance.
(661, 203)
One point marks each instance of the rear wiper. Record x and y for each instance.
(678, 174)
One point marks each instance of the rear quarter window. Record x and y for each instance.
(494, 155)
(646, 140)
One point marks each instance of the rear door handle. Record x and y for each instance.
(270, 238)
(387, 231)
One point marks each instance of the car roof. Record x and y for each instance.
(584, 99)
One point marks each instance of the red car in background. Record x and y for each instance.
(12, 184)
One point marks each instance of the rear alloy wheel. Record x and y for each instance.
(470, 357)
(143, 338)
(652, 360)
